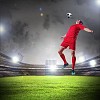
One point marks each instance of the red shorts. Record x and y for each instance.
(69, 42)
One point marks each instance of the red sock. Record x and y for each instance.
(73, 62)
(63, 58)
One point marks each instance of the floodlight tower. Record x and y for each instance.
(93, 63)
(15, 59)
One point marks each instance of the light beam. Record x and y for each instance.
(1, 29)
(98, 2)
(81, 59)
(92, 63)
(15, 59)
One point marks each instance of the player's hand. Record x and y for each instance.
(91, 31)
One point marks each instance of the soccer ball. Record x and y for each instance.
(69, 15)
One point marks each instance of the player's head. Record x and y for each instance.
(79, 22)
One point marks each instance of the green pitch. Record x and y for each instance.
(50, 88)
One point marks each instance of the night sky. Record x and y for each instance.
(32, 28)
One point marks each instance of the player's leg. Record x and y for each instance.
(73, 61)
(60, 52)
(72, 47)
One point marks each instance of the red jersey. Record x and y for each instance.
(74, 30)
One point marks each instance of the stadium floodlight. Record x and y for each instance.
(98, 2)
(53, 68)
(51, 65)
(81, 59)
(41, 14)
(1, 29)
(15, 59)
(92, 63)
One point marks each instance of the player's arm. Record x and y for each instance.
(88, 30)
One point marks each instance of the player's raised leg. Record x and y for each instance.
(60, 52)
(73, 61)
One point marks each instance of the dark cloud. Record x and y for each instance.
(16, 39)
(55, 1)
(52, 1)
(80, 2)
(19, 32)
(35, 37)
(46, 23)
(10, 4)
(57, 19)
(26, 29)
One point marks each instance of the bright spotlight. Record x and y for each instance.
(93, 63)
(15, 59)
(53, 67)
(81, 59)
(41, 14)
(98, 2)
(1, 29)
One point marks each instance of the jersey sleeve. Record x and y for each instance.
(81, 26)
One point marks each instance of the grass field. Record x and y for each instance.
(50, 88)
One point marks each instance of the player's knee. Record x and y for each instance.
(73, 53)
(59, 52)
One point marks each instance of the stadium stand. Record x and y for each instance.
(7, 68)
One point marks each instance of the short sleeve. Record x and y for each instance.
(81, 26)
